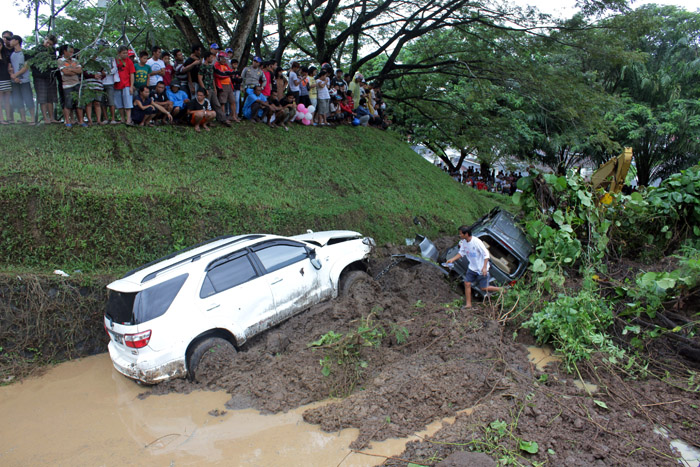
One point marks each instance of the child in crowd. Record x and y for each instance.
(294, 81)
(199, 111)
(324, 98)
(313, 89)
(21, 82)
(145, 109)
(157, 67)
(236, 82)
(362, 112)
(169, 70)
(143, 71)
(92, 91)
(160, 97)
(124, 88)
(304, 87)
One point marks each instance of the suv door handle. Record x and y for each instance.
(277, 280)
(214, 305)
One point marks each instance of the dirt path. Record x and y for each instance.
(452, 360)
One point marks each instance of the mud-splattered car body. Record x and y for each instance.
(231, 288)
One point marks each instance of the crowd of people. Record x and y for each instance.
(170, 87)
(501, 182)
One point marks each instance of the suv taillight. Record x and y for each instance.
(138, 340)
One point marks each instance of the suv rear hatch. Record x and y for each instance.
(129, 311)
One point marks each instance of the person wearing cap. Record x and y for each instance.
(214, 49)
(253, 75)
(222, 79)
(179, 99)
(124, 88)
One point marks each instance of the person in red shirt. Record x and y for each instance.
(224, 88)
(124, 88)
(169, 70)
(346, 107)
(267, 72)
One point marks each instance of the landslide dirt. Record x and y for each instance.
(453, 360)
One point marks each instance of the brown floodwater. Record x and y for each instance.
(85, 413)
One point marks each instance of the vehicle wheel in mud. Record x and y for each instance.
(352, 280)
(207, 356)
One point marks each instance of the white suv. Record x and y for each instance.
(163, 317)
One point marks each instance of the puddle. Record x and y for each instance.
(689, 455)
(541, 356)
(83, 413)
(588, 387)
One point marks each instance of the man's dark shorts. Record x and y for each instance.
(479, 280)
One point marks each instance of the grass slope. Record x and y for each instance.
(112, 198)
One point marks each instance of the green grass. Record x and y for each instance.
(112, 198)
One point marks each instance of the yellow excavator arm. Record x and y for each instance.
(611, 175)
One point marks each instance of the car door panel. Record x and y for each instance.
(233, 294)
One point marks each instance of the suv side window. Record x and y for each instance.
(227, 275)
(278, 256)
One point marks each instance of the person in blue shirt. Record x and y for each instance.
(179, 99)
(255, 106)
(362, 113)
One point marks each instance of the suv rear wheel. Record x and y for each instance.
(210, 353)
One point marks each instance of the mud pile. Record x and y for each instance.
(452, 360)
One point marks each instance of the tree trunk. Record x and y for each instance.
(203, 10)
(182, 22)
(245, 25)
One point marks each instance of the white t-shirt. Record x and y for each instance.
(323, 91)
(156, 65)
(477, 253)
(111, 73)
(292, 78)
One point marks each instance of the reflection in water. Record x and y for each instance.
(85, 413)
(541, 356)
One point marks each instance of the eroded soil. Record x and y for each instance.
(452, 360)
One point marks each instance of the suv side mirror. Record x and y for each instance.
(314, 261)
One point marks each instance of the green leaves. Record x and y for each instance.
(528, 446)
(601, 404)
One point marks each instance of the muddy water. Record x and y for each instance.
(85, 413)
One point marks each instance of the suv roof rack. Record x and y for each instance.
(188, 259)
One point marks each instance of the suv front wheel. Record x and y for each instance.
(212, 353)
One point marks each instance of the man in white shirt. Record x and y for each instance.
(475, 250)
(157, 67)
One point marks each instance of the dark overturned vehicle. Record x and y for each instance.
(509, 251)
